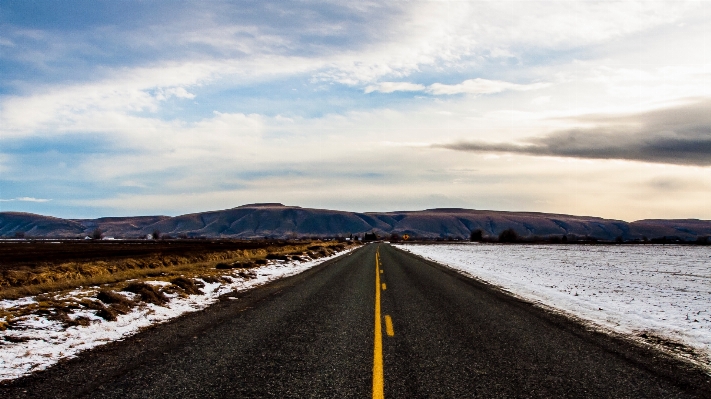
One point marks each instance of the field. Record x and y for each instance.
(33, 253)
(657, 294)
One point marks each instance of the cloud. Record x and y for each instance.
(481, 86)
(114, 103)
(194, 105)
(678, 135)
(464, 34)
(541, 100)
(470, 86)
(25, 199)
(178, 92)
(389, 87)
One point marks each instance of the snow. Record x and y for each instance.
(37, 342)
(658, 290)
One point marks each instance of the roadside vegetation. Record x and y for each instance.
(112, 286)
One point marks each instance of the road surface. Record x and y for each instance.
(376, 323)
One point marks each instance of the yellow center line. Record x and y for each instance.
(384, 286)
(389, 326)
(378, 345)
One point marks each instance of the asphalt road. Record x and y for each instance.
(440, 335)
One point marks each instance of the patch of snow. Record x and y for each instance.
(39, 342)
(14, 303)
(158, 283)
(659, 290)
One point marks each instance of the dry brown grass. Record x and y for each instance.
(187, 285)
(148, 293)
(27, 282)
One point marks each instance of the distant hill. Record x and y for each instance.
(131, 226)
(683, 228)
(279, 221)
(12, 223)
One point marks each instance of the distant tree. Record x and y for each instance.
(564, 239)
(508, 235)
(156, 234)
(619, 239)
(476, 235)
(97, 234)
(370, 237)
(19, 234)
(394, 237)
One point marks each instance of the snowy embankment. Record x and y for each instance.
(648, 291)
(39, 342)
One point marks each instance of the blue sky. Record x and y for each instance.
(136, 108)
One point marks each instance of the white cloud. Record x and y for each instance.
(104, 106)
(471, 86)
(481, 86)
(541, 100)
(389, 87)
(178, 92)
(25, 199)
(55, 110)
(455, 34)
(445, 35)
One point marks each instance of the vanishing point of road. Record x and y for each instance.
(377, 322)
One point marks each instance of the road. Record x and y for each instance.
(426, 331)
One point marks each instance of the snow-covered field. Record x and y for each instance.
(658, 290)
(41, 342)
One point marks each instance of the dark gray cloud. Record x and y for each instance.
(680, 135)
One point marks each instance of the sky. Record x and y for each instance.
(119, 108)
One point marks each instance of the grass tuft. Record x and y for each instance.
(188, 285)
(147, 292)
(247, 274)
(112, 297)
(210, 279)
(109, 314)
